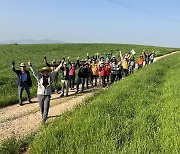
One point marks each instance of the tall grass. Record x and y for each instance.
(35, 53)
(140, 114)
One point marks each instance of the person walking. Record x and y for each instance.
(114, 72)
(53, 66)
(107, 70)
(88, 75)
(95, 73)
(146, 59)
(23, 81)
(44, 77)
(124, 60)
(64, 78)
(132, 64)
(151, 57)
(140, 62)
(82, 74)
(72, 70)
(102, 74)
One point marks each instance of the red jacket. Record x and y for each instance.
(101, 71)
(107, 70)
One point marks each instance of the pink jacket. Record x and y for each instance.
(72, 71)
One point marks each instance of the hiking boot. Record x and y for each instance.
(76, 92)
(61, 95)
(30, 101)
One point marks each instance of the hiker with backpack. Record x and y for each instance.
(23, 81)
(44, 77)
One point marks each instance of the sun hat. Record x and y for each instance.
(45, 69)
(65, 63)
(83, 60)
(22, 65)
(53, 61)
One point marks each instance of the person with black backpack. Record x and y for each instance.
(82, 74)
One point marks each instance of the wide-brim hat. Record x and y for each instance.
(83, 60)
(45, 69)
(22, 65)
(53, 61)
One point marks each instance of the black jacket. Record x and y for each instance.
(19, 80)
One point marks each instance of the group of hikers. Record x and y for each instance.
(96, 71)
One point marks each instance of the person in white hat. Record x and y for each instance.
(23, 81)
(44, 77)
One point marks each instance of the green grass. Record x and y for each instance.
(35, 53)
(140, 114)
(16, 146)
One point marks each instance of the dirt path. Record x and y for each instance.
(18, 120)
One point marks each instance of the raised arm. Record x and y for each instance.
(122, 58)
(46, 63)
(36, 74)
(53, 74)
(13, 68)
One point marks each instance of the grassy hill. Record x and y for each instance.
(139, 114)
(35, 53)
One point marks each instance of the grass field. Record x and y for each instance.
(35, 53)
(140, 114)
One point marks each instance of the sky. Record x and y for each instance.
(92, 21)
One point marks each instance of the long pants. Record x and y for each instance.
(44, 102)
(113, 77)
(56, 83)
(140, 66)
(94, 77)
(107, 79)
(103, 81)
(65, 83)
(80, 80)
(119, 75)
(87, 82)
(21, 88)
(126, 71)
(72, 81)
(131, 69)
(152, 60)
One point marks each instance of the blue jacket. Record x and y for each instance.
(19, 79)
